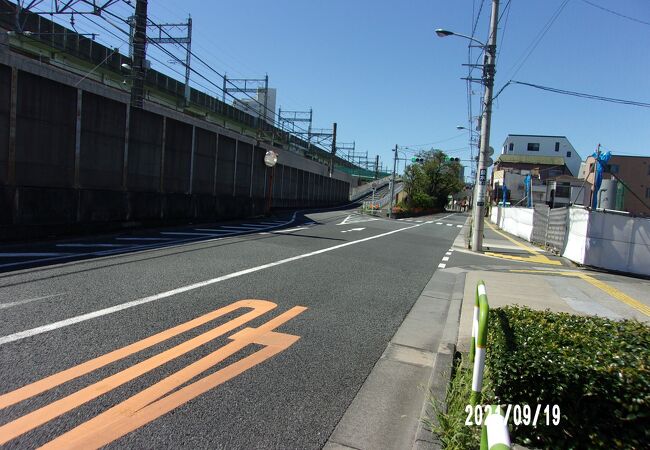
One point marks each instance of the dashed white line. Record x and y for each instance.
(291, 230)
(448, 254)
(438, 223)
(25, 255)
(449, 224)
(445, 258)
(143, 239)
(77, 244)
(186, 233)
(28, 300)
(459, 226)
(442, 266)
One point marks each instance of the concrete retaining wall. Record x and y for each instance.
(517, 221)
(75, 157)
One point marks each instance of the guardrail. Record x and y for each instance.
(494, 435)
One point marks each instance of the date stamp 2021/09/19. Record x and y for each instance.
(548, 415)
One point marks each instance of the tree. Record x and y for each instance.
(428, 184)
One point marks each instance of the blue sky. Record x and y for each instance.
(378, 69)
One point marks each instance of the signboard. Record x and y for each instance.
(481, 203)
(482, 176)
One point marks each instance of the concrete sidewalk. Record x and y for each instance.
(541, 281)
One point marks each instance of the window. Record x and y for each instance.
(568, 154)
(533, 147)
(511, 147)
(647, 192)
(557, 146)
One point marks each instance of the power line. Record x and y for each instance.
(616, 13)
(583, 95)
(536, 41)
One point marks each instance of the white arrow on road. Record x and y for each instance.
(353, 229)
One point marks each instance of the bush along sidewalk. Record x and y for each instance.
(590, 377)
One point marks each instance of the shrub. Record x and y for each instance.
(597, 370)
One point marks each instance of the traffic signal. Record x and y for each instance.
(417, 159)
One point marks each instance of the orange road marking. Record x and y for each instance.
(43, 415)
(152, 403)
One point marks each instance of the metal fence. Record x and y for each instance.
(550, 227)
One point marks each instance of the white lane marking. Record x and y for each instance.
(440, 266)
(273, 223)
(290, 230)
(438, 223)
(113, 309)
(449, 224)
(143, 239)
(459, 226)
(216, 231)
(352, 229)
(448, 253)
(418, 221)
(310, 223)
(237, 228)
(445, 258)
(429, 221)
(401, 219)
(28, 300)
(186, 233)
(26, 255)
(142, 247)
(356, 218)
(78, 244)
(252, 225)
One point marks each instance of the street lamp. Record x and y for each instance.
(444, 33)
(490, 48)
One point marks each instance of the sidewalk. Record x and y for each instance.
(416, 366)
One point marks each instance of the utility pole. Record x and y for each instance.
(392, 184)
(333, 149)
(488, 79)
(376, 167)
(139, 53)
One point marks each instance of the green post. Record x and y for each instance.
(481, 344)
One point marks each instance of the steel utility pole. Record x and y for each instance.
(392, 184)
(139, 53)
(488, 79)
(333, 149)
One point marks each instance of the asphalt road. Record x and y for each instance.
(277, 371)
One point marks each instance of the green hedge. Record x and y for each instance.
(596, 370)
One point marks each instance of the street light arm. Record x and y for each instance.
(444, 33)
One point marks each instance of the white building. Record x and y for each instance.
(530, 144)
(255, 107)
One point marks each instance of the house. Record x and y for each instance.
(629, 188)
(536, 146)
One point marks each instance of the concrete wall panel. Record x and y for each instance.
(145, 151)
(5, 103)
(45, 132)
(259, 173)
(178, 152)
(102, 142)
(225, 165)
(244, 161)
(102, 205)
(204, 160)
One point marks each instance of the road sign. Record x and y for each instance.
(482, 176)
(490, 151)
(489, 162)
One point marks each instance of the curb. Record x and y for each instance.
(441, 372)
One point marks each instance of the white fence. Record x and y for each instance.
(604, 239)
